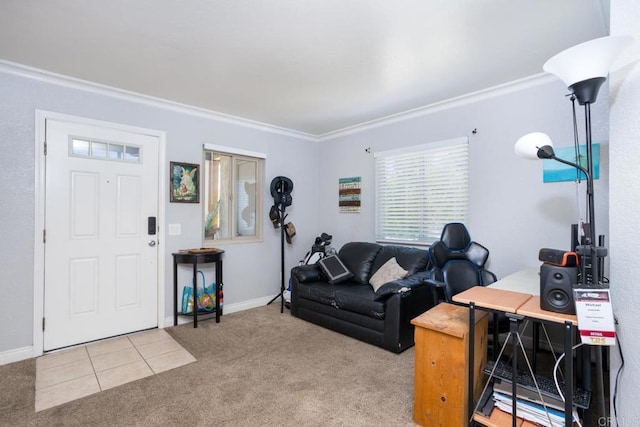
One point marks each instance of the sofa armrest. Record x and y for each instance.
(308, 273)
(401, 286)
(400, 310)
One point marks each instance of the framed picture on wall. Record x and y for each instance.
(553, 171)
(349, 194)
(184, 186)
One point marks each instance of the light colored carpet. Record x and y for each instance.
(255, 368)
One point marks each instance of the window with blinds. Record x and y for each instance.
(420, 189)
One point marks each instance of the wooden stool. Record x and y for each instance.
(441, 364)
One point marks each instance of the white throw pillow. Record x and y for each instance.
(389, 272)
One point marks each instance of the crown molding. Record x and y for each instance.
(469, 98)
(21, 70)
(37, 74)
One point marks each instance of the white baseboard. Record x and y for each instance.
(16, 355)
(228, 309)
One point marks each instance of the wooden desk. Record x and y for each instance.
(532, 310)
(518, 305)
(492, 298)
(526, 281)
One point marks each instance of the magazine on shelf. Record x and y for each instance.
(529, 395)
(532, 411)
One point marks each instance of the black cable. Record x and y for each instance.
(615, 387)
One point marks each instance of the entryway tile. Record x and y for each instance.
(108, 346)
(115, 358)
(63, 373)
(79, 371)
(66, 392)
(147, 337)
(158, 347)
(62, 357)
(123, 374)
(170, 360)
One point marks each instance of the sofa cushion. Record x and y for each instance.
(358, 257)
(389, 272)
(352, 297)
(321, 292)
(411, 259)
(359, 298)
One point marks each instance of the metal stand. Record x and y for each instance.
(281, 208)
(516, 345)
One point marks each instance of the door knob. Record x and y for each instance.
(152, 243)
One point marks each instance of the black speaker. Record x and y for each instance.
(556, 288)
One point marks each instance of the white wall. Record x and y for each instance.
(512, 212)
(624, 209)
(251, 270)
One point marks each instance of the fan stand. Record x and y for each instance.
(283, 216)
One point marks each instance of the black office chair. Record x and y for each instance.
(459, 264)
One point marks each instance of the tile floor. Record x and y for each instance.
(83, 370)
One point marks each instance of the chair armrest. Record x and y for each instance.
(488, 277)
(438, 287)
(437, 284)
(308, 273)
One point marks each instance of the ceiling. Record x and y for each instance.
(311, 66)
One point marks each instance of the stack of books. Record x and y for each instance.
(531, 406)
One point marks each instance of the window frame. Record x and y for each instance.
(414, 208)
(236, 155)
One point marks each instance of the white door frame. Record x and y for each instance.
(40, 186)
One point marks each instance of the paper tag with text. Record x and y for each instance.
(595, 316)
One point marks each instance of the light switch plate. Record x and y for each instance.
(175, 229)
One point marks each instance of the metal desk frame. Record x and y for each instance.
(517, 306)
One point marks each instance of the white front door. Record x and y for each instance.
(101, 259)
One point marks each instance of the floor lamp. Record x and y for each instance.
(583, 68)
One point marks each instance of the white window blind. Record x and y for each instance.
(420, 190)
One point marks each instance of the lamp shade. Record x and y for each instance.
(529, 145)
(587, 60)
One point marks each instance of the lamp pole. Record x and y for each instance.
(593, 251)
(589, 249)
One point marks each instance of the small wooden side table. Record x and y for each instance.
(194, 258)
(442, 364)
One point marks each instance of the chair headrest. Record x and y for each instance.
(456, 236)
(456, 244)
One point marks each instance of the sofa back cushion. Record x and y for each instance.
(411, 259)
(358, 257)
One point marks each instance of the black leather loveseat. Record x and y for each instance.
(381, 317)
